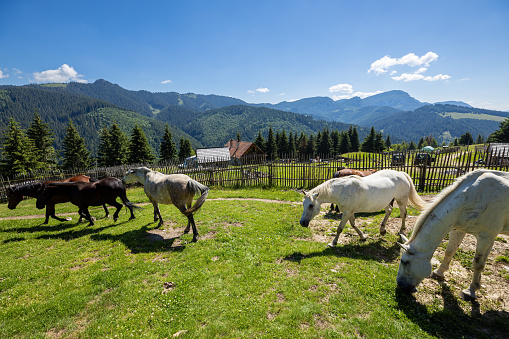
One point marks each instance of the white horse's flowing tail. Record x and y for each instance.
(195, 187)
(414, 198)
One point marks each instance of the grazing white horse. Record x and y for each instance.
(476, 204)
(176, 189)
(363, 194)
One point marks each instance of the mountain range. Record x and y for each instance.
(211, 120)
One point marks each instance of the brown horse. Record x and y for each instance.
(85, 194)
(344, 172)
(16, 193)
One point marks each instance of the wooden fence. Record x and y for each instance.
(430, 171)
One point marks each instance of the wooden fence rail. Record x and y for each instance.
(430, 171)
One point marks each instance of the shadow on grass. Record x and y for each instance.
(369, 250)
(451, 321)
(141, 241)
(64, 225)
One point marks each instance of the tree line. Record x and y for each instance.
(31, 150)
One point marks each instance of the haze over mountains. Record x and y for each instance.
(211, 120)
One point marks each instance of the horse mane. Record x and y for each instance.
(325, 187)
(26, 187)
(439, 198)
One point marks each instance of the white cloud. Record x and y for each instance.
(250, 91)
(406, 77)
(64, 73)
(382, 65)
(2, 75)
(167, 82)
(263, 90)
(342, 88)
(438, 77)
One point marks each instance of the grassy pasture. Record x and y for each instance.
(254, 273)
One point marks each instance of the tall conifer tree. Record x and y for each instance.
(139, 149)
(75, 151)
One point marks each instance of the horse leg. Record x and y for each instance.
(107, 215)
(157, 214)
(50, 212)
(455, 239)
(359, 232)
(388, 211)
(87, 216)
(190, 220)
(342, 224)
(118, 206)
(483, 248)
(403, 214)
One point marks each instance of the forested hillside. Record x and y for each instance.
(429, 120)
(144, 102)
(88, 114)
(216, 127)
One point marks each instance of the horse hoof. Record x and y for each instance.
(437, 276)
(465, 295)
(331, 245)
(363, 239)
(384, 232)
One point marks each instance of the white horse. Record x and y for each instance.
(363, 194)
(476, 204)
(176, 189)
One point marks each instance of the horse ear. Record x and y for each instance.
(304, 192)
(315, 195)
(406, 248)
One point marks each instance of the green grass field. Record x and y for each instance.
(254, 273)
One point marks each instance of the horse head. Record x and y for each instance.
(14, 197)
(135, 175)
(413, 267)
(311, 207)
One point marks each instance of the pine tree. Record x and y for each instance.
(311, 146)
(480, 139)
(354, 138)
(75, 152)
(271, 146)
(336, 141)
(421, 143)
(18, 154)
(344, 145)
(325, 145)
(369, 142)
(41, 137)
(502, 134)
(185, 149)
(282, 145)
(167, 149)
(379, 145)
(104, 148)
(139, 149)
(259, 141)
(412, 146)
(292, 148)
(388, 142)
(302, 145)
(119, 150)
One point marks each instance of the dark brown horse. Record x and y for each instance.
(16, 193)
(344, 172)
(85, 194)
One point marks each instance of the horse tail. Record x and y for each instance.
(125, 200)
(196, 188)
(414, 198)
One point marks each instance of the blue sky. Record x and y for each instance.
(265, 51)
